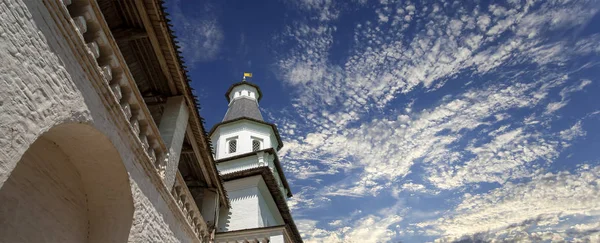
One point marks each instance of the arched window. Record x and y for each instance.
(255, 145)
(232, 146)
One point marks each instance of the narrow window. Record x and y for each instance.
(255, 145)
(232, 146)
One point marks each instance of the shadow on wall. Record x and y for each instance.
(69, 186)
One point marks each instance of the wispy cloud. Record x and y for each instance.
(436, 137)
(361, 122)
(199, 32)
(564, 95)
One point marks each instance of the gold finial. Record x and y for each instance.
(249, 75)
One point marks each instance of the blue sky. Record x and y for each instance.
(417, 121)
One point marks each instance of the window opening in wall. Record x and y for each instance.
(255, 145)
(232, 146)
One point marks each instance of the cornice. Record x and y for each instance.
(276, 161)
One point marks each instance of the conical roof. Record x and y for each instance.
(243, 107)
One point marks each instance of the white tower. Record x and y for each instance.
(246, 155)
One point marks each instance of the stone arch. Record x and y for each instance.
(69, 186)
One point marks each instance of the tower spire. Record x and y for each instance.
(243, 100)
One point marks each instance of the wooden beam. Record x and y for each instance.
(129, 34)
(139, 4)
(155, 100)
(187, 151)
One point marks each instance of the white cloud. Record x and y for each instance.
(325, 10)
(412, 188)
(564, 95)
(566, 92)
(377, 227)
(554, 106)
(573, 132)
(306, 199)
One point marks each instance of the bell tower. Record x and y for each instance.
(246, 155)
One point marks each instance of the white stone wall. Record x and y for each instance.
(42, 85)
(44, 194)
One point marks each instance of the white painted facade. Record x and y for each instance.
(244, 132)
(251, 206)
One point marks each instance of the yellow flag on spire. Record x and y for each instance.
(249, 75)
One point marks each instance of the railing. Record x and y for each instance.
(97, 39)
(186, 203)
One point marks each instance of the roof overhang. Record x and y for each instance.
(154, 21)
(275, 131)
(271, 182)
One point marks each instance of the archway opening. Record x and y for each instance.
(69, 186)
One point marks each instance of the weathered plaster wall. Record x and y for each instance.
(44, 194)
(43, 85)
